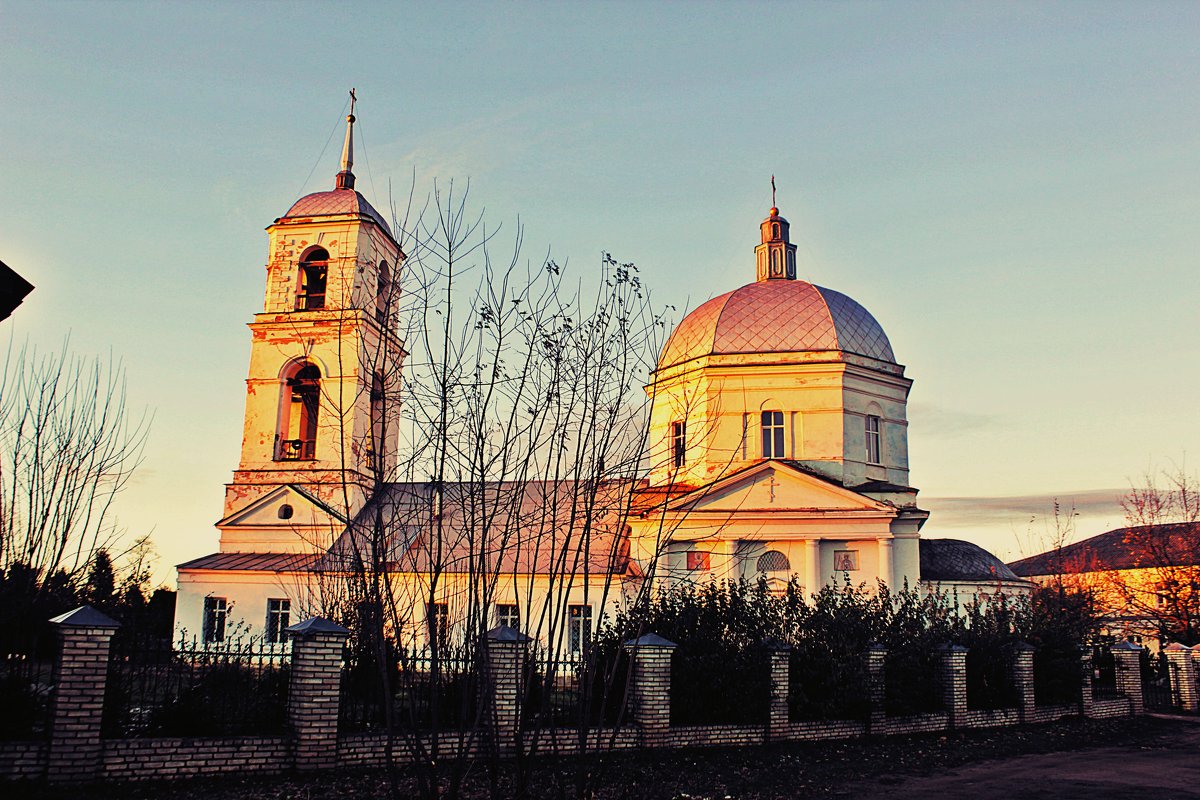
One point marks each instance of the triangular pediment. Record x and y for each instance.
(268, 511)
(774, 486)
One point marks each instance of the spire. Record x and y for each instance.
(345, 178)
(776, 256)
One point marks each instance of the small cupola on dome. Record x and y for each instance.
(776, 255)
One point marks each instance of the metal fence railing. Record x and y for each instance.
(192, 688)
(425, 689)
(26, 683)
(1104, 675)
(553, 692)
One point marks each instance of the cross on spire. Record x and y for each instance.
(345, 178)
(772, 189)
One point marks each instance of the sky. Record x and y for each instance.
(1012, 189)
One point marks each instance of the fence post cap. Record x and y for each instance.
(1196, 648)
(951, 647)
(649, 640)
(1126, 647)
(776, 645)
(503, 633)
(85, 617)
(315, 625)
(1176, 647)
(1021, 646)
(876, 647)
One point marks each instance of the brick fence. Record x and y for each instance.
(74, 750)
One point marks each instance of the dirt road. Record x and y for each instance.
(1166, 769)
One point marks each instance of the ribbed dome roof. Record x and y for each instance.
(777, 316)
(956, 560)
(336, 202)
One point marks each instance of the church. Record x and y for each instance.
(778, 450)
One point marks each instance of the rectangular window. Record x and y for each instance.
(279, 612)
(845, 560)
(698, 561)
(508, 616)
(437, 623)
(873, 450)
(579, 629)
(215, 611)
(678, 443)
(772, 434)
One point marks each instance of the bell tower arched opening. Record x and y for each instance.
(314, 273)
(300, 404)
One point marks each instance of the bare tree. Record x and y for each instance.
(507, 447)
(68, 445)
(1162, 584)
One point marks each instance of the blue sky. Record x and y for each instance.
(1012, 189)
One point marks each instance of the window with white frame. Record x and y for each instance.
(772, 434)
(678, 443)
(873, 448)
(437, 624)
(579, 629)
(216, 609)
(508, 615)
(279, 613)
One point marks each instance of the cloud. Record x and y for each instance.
(937, 421)
(1012, 526)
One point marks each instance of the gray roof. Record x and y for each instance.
(1172, 545)
(956, 560)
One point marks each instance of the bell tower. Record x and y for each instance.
(321, 408)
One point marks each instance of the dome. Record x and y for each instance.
(336, 202)
(956, 560)
(773, 316)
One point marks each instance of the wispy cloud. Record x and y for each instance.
(1013, 526)
(937, 421)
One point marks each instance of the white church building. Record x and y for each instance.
(779, 439)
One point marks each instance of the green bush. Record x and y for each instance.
(724, 631)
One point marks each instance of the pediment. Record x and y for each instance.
(774, 487)
(265, 512)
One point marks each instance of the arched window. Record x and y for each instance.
(774, 230)
(774, 561)
(301, 400)
(384, 296)
(314, 271)
(775, 262)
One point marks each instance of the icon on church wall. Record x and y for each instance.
(845, 560)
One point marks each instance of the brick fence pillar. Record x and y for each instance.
(315, 693)
(75, 752)
(1196, 666)
(781, 667)
(1127, 661)
(506, 652)
(1183, 676)
(651, 690)
(1021, 675)
(953, 673)
(1086, 674)
(877, 688)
